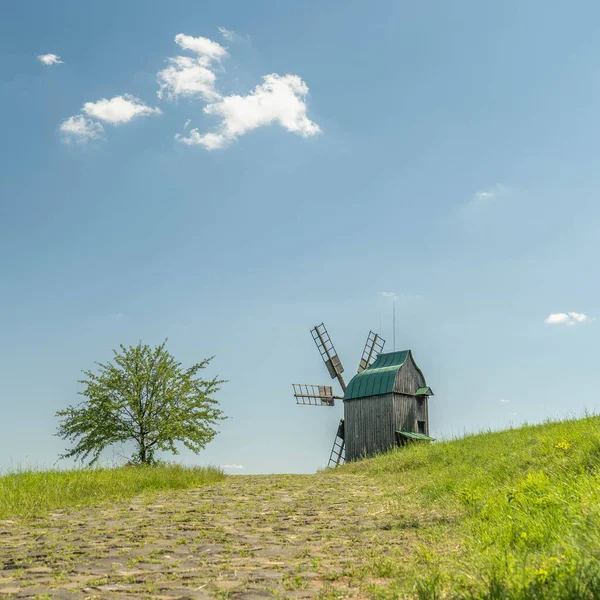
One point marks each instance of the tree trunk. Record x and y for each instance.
(142, 453)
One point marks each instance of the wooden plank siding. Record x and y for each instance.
(405, 413)
(368, 428)
(370, 423)
(409, 377)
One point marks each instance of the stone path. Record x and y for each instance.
(248, 537)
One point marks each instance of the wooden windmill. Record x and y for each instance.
(322, 395)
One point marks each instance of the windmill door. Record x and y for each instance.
(422, 424)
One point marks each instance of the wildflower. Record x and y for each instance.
(541, 575)
(563, 445)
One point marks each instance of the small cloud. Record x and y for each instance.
(227, 34)
(49, 59)
(233, 36)
(187, 124)
(569, 318)
(484, 199)
(387, 294)
(205, 48)
(233, 466)
(578, 317)
(119, 110)
(80, 129)
(483, 195)
(504, 401)
(513, 414)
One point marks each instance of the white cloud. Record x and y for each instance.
(205, 48)
(557, 318)
(387, 294)
(187, 77)
(486, 197)
(191, 77)
(504, 401)
(80, 129)
(570, 318)
(233, 466)
(118, 110)
(187, 124)
(50, 59)
(578, 317)
(279, 99)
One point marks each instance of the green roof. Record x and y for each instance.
(424, 391)
(379, 378)
(415, 436)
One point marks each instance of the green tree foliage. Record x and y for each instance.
(143, 396)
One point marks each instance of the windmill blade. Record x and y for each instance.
(338, 452)
(328, 353)
(373, 349)
(314, 395)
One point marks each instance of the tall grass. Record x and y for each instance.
(525, 508)
(29, 493)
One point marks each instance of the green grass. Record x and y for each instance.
(28, 493)
(507, 515)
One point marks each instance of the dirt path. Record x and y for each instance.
(300, 536)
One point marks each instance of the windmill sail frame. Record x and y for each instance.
(373, 348)
(328, 353)
(314, 395)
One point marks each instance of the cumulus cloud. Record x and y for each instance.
(233, 466)
(80, 129)
(192, 77)
(186, 76)
(50, 59)
(279, 99)
(116, 111)
(206, 49)
(570, 318)
(119, 110)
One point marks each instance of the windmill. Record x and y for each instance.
(322, 395)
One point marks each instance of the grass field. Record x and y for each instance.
(510, 515)
(514, 514)
(30, 493)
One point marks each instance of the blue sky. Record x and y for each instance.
(443, 152)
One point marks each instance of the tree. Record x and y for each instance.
(144, 396)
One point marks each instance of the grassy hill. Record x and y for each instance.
(507, 515)
(513, 514)
(33, 493)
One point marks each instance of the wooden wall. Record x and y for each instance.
(370, 423)
(405, 412)
(409, 377)
(368, 426)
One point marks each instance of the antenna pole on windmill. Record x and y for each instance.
(394, 320)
